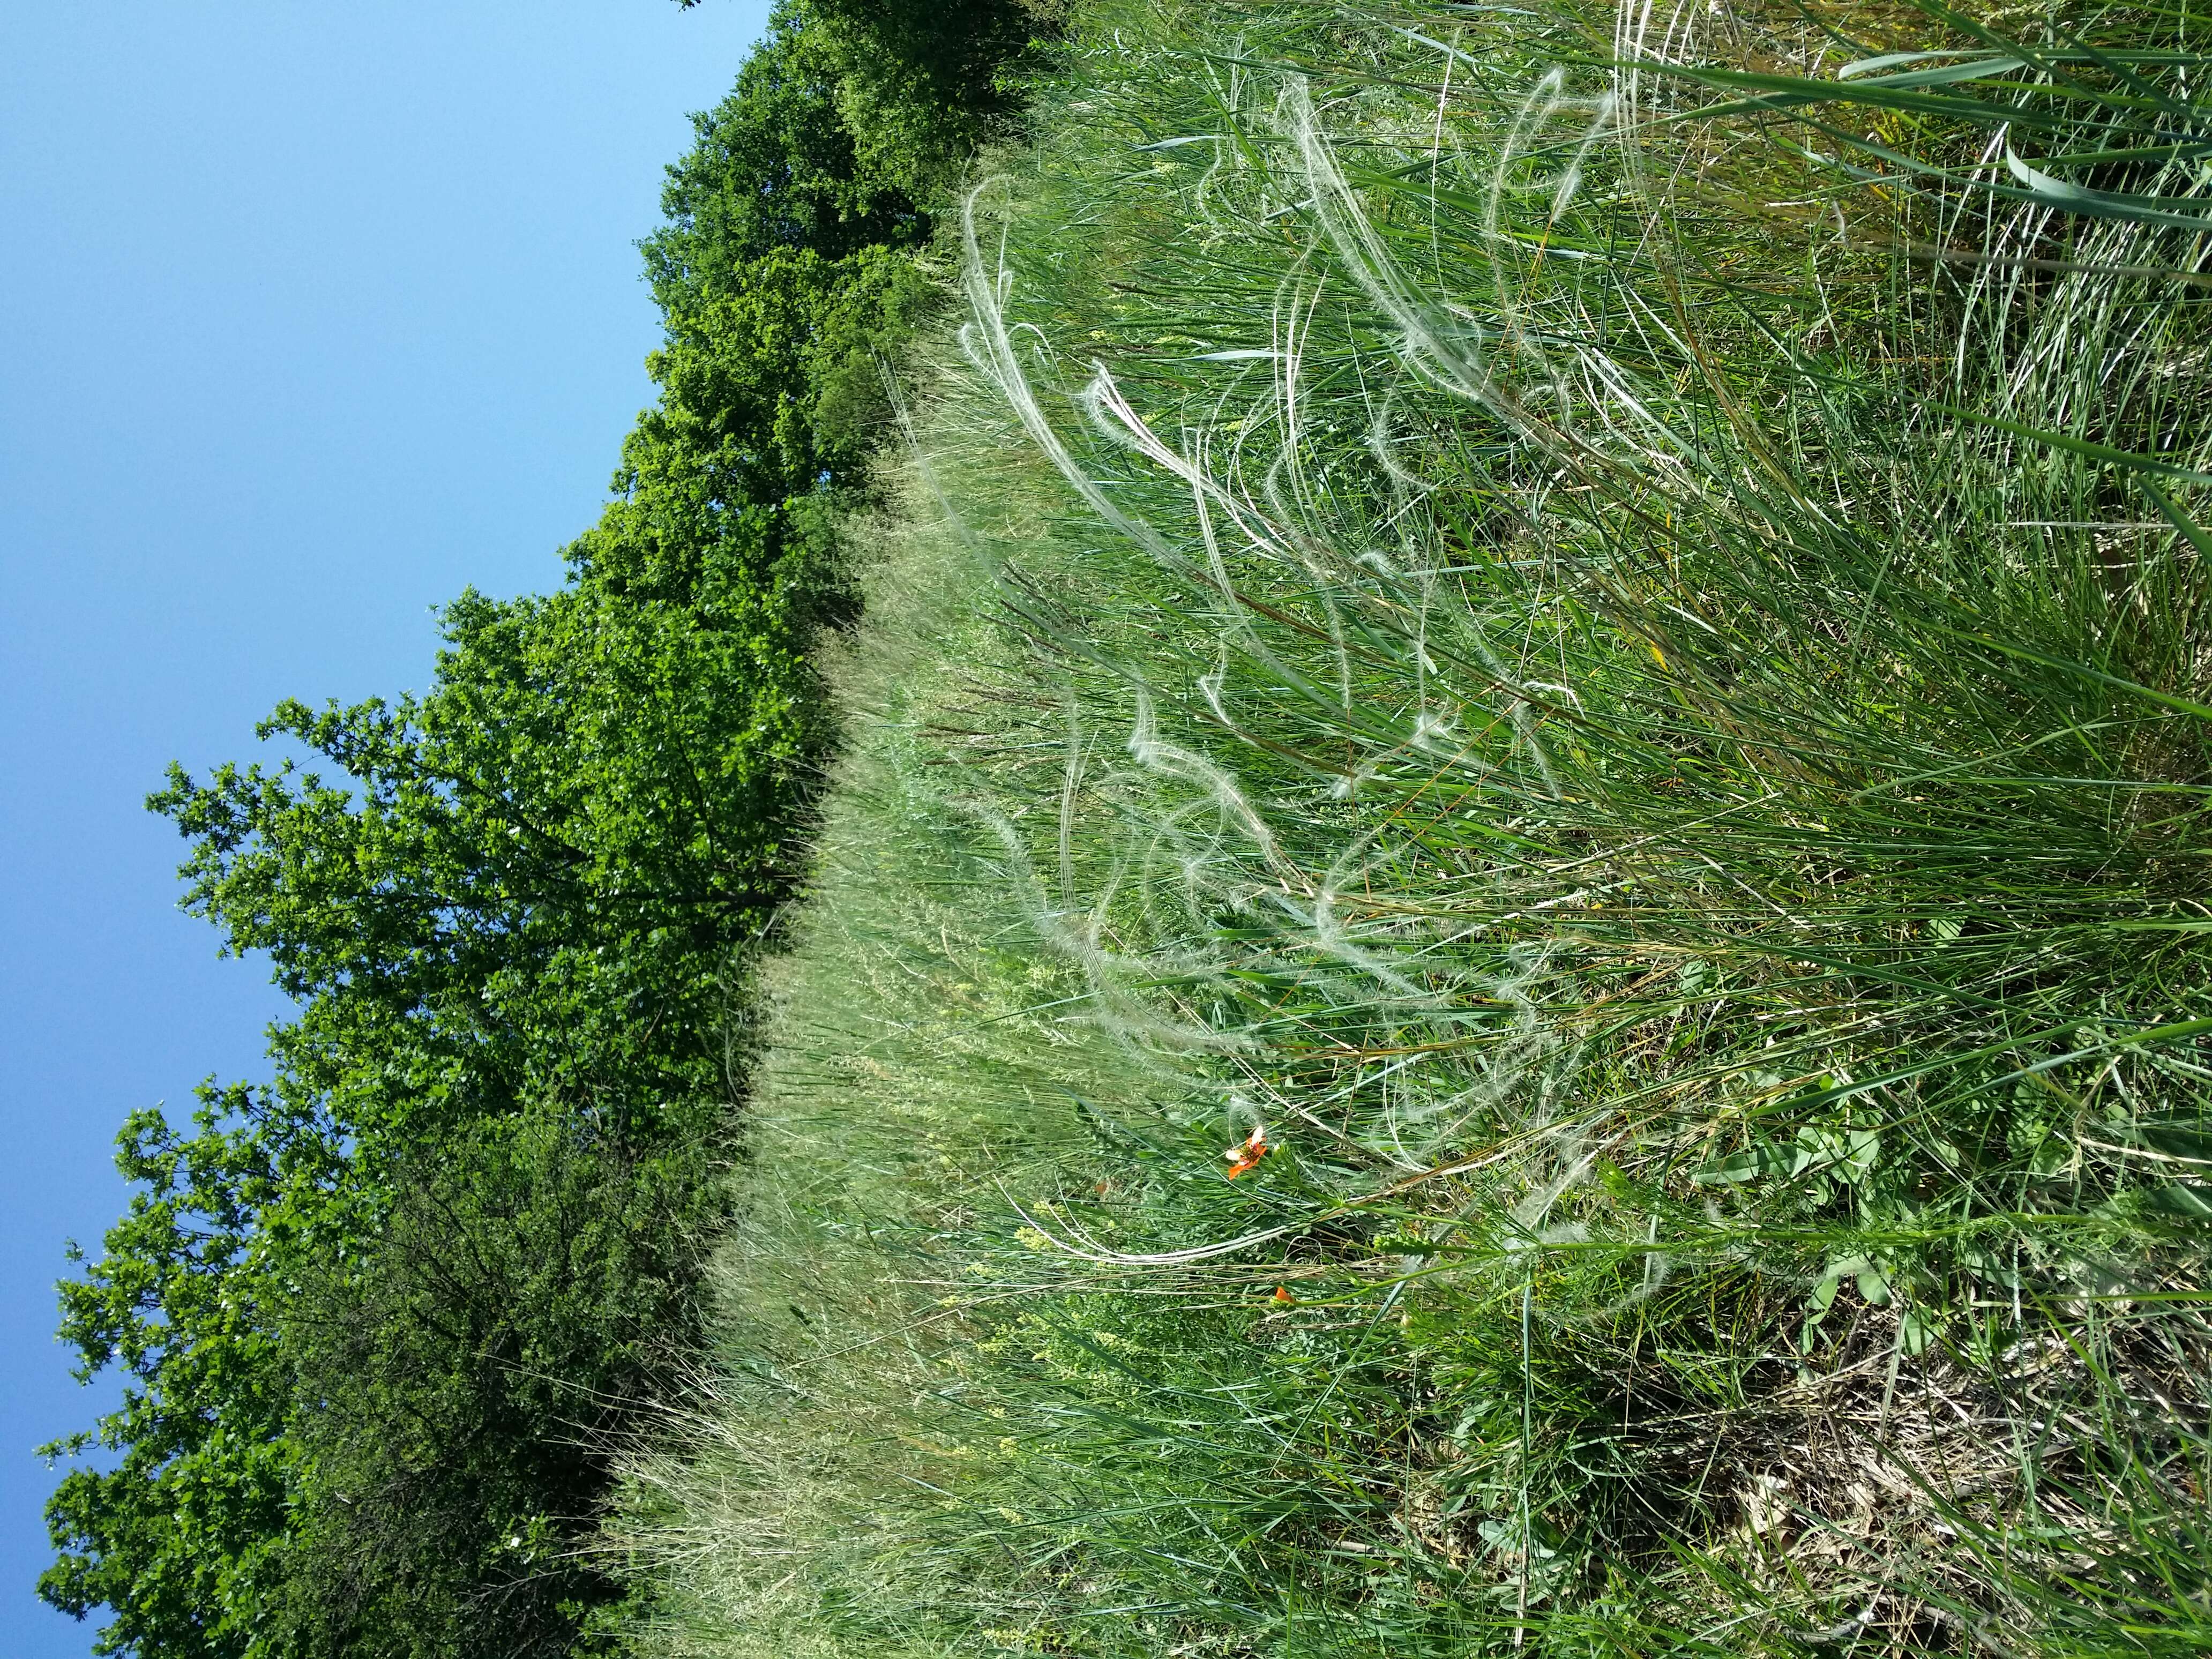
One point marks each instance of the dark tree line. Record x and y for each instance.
(384, 1318)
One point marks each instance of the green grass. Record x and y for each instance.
(1594, 625)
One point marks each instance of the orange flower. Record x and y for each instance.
(1245, 1158)
(1283, 1293)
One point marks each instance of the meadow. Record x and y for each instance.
(1507, 951)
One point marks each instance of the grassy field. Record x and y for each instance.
(1509, 956)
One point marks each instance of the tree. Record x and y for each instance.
(384, 1320)
(177, 1538)
(511, 936)
(461, 1386)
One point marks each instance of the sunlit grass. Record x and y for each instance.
(1591, 626)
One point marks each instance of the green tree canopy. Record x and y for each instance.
(383, 1320)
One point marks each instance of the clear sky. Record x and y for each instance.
(310, 316)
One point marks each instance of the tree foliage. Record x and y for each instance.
(383, 1320)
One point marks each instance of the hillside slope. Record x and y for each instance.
(1509, 957)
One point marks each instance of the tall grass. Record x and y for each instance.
(1510, 957)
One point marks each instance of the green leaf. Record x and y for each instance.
(2189, 1199)
(1739, 1167)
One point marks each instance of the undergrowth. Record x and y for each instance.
(1509, 956)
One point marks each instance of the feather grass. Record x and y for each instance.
(1588, 624)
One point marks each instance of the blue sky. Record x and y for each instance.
(313, 315)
